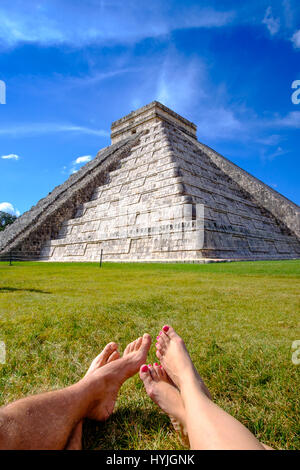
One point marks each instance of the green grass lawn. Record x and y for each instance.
(238, 321)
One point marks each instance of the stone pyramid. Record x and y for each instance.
(157, 194)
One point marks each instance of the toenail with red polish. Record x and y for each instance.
(149, 365)
(165, 328)
(160, 367)
(157, 337)
(144, 368)
(155, 363)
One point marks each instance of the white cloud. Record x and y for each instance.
(268, 156)
(291, 120)
(178, 81)
(288, 14)
(8, 207)
(296, 39)
(196, 17)
(77, 163)
(98, 77)
(83, 159)
(219, 122)
(269, 140)
(11, 156)
(185, 86)
(82, 23)
(47, 128)
(273, 24)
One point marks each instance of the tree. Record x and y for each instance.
(6, 219)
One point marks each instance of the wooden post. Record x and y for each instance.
(101, 253)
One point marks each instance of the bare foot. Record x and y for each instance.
(172, 353)
(162, 390)
(110, 353)
(104, 382)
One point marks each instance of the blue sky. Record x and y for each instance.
(71, 67)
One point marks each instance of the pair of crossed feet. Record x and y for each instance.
(163, 383)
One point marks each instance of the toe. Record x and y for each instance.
(158, 370)
(115, 355)
(107, 351)
(153, 372)
(161, 347)
(128, 349)
(170, 332)
(145, 375)
(159, 354)
(138, 343)
(145, 343)
(163, 340)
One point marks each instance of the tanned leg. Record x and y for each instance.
(46, 421)
(75, 439)
(110, 353)
(208, 426)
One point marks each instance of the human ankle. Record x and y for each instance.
(191, 384)
(82, 394)
(188, 378)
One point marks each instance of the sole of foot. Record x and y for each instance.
(162, 390)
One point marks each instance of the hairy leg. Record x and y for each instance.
(46, 421)
(75, 439)
(208, 426)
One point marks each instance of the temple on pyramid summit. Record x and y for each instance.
(157, 194)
